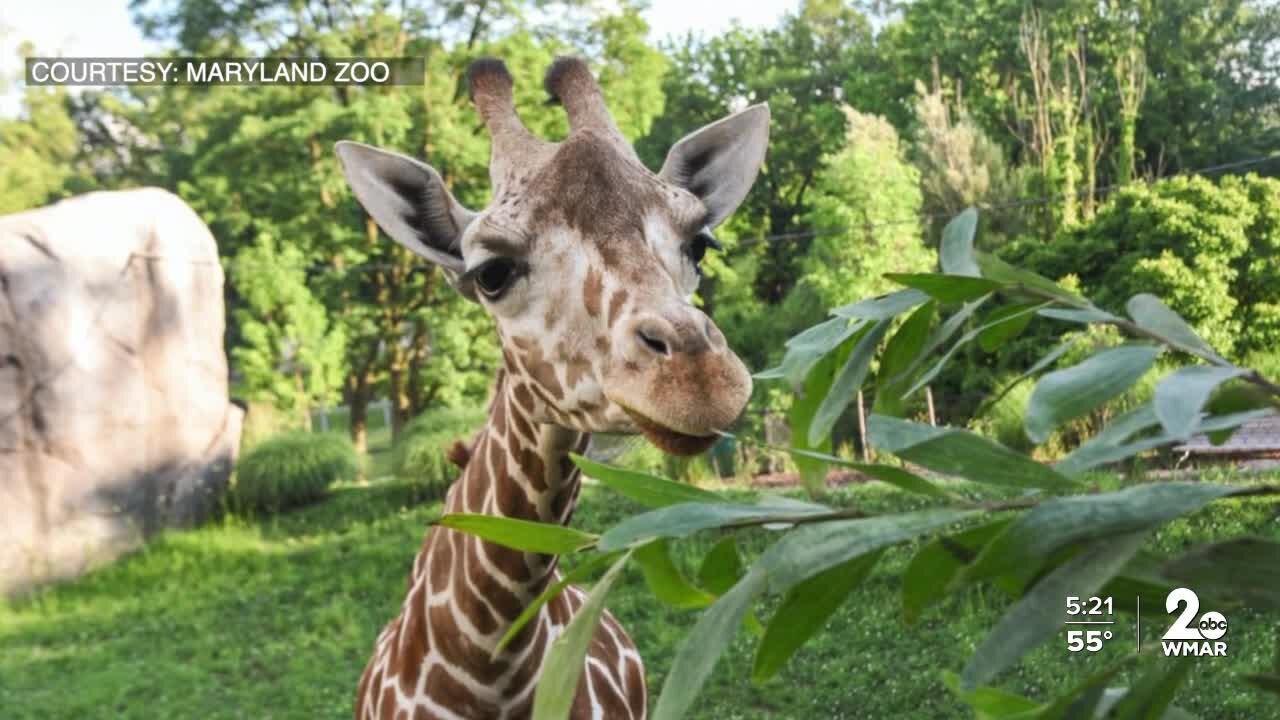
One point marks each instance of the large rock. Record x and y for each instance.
(115, 419)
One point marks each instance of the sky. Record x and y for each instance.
(102, 28)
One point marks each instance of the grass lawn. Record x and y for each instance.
(275, 618)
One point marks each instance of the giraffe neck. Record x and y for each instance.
(464, 592)
(517, 469)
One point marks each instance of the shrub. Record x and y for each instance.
(1208, 249)
(421, 453)
(291, 469)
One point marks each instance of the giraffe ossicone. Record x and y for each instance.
(587, 262)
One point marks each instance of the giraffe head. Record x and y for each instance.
(585, 258)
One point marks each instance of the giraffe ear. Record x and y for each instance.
(719, 162)
(409, 202)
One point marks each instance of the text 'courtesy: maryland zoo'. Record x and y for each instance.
(224, 71)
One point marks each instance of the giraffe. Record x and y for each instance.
(587, 261)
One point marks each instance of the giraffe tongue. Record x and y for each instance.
(669, 441)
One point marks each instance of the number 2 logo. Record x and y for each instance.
(1212, 625)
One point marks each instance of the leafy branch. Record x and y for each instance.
(1051, 539)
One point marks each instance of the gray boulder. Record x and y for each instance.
(115, 420)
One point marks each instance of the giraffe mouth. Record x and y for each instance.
(670, 441)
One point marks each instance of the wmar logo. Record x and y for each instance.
(1189, 636)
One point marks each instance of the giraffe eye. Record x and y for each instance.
(696, 249)
(495, 276)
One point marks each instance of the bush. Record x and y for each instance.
(292, 469)
(421, 453)
(1208, 249)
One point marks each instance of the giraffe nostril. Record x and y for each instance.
(654, 343)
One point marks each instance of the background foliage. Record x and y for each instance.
(881, 111)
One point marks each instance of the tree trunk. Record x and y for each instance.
(398, 390)
(358, 394)
(1090, 153)
(304, 407)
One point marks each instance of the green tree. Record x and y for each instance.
(865, 201)
(804, 69)
(960, 165)
(288, 354)
(1210, 91)
(38, 149)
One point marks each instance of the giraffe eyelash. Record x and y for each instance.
(696, 248)
(493, 277)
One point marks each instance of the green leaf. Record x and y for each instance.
(946, 288)
(1081, 701)
(648, 490)
(1084, 317)
(675, 521)
(1008, 275)
(1065, 394)
(1059, 522)
(1040, 613)
(1154, 316)
(1233, 398)
(1181, 395)
(704, 645)
(1004, 324)
(721, 566)
(988, 703)
(804, 407)
(806, 350)
(882, 307)
(846, 384)
(567, 657)
(1048, 359)
(814, 547)
(1076, 462)
(665, 580)
(804, 611)
(1245, 569)
(1268, 682)
(1153, 693)
(933, 567)
(526, 535)
(893, 475)
(937, 338)
(959, 452)
(720, 570)
(1138, 585)
(964, 339)
(578, 574)
(1110, 437)
(956, 251)
(898, 355)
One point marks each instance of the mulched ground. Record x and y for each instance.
(835, 478)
